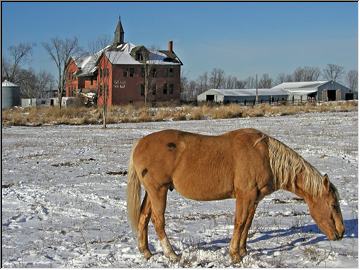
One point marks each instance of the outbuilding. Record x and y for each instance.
(10, 95)
(315, 91)
(243, 96)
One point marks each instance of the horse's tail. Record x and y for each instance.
(133, 194)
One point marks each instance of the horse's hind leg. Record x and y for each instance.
(145, 215)
(158, 205)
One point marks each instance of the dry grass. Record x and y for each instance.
(129, 113)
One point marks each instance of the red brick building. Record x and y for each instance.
(122, 70)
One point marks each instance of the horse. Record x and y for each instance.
(245, 164)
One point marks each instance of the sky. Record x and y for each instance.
(243, 39)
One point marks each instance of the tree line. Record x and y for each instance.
(32, 84)
(217, 79)
(38, 84)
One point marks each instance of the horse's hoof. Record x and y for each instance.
(147, 254)
(235, 258)
(173, 257)
(243, 252)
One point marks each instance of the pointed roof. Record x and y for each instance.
(119, 27)
(119, 34)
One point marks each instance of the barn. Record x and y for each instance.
(315, 91)
(243, 96)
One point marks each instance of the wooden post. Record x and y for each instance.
(257, 92)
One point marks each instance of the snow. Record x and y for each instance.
(6, 83)
(64, 203)
(295, 85)
(248, 92)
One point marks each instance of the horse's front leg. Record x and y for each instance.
(244, 213)
(158, 205)
(244, 234)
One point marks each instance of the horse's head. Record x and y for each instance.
(326, 212)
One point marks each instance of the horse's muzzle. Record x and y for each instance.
(339, 236)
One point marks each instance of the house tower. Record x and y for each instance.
(119, 34)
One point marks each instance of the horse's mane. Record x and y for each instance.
(286, 164)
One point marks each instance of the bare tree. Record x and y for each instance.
(17, 54)
(184, 87)
(282, 77)
(250, 82)
(190, 91)
(265, 81)
(312, 73)
(203, 82)
(44, 83)
(99, 43)
(352, 80)
(306, 74)
(60, 51)
(27, 82)
(333, 72)
(232, 82)
(5, 67)
(217, 78)
(240, 84)
(34, 85)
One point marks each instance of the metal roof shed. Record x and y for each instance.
(245, 96)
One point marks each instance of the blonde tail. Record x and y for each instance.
(133, 195)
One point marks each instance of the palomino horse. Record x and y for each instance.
(244, 164)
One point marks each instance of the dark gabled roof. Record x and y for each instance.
(171, 57)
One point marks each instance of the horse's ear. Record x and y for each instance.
(326, 182)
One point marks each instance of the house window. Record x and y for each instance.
(165, 90)
(91, 81)
(142, 72)
(142, 90)
(139, 57)
(132, 72)
(171, 72)
(171, 89)
(153, 73)
(125, 72)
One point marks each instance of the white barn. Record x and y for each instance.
(243, 96)
(315, 91)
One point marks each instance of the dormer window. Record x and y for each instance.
(139, 57)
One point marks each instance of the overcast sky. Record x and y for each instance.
(241, 38)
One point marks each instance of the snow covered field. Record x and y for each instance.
(64, 204)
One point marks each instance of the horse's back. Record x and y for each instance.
(199, 166)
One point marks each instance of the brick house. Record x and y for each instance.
(81, 74)
(122, 70)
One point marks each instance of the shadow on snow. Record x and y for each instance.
(351, 231)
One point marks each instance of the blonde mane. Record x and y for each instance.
(286, 164)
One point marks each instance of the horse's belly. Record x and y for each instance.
(216, 189)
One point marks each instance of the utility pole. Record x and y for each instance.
(257, 91)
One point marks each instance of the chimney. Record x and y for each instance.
(170, 46)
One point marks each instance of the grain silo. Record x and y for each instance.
(10, 95)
